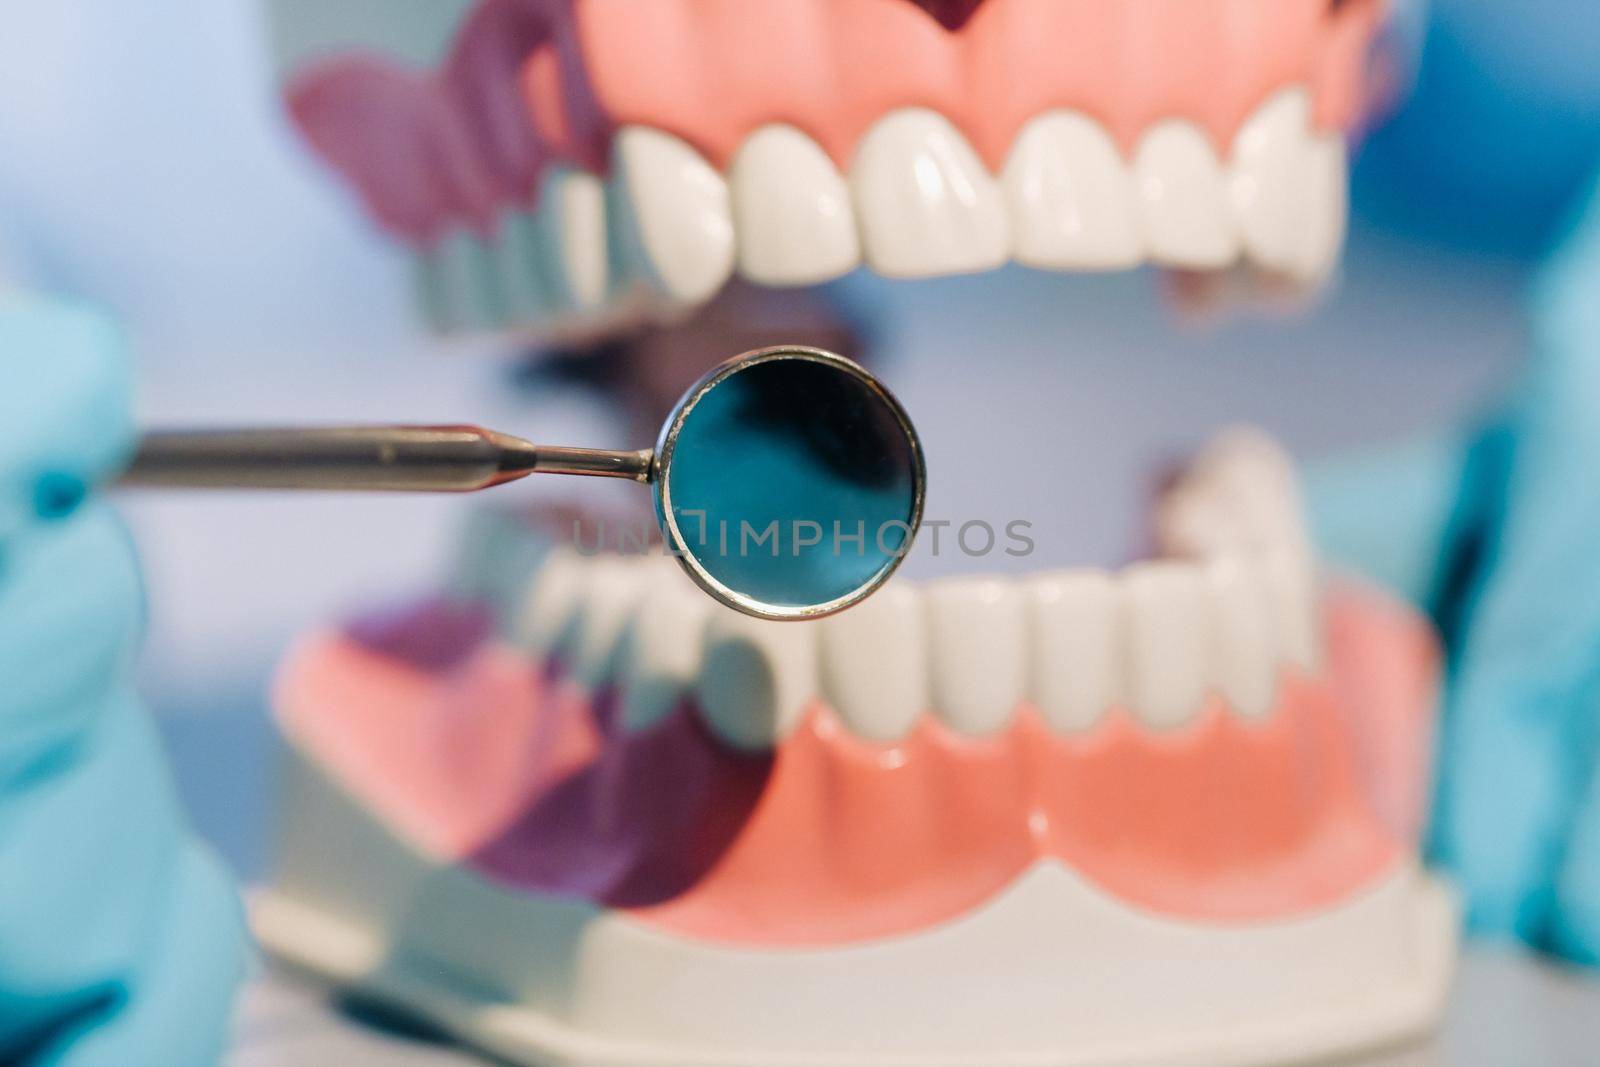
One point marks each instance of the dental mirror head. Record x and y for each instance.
(789, 483)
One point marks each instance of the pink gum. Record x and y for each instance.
(711, 71)
(831, 840)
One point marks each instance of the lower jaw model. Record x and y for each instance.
(577, 814)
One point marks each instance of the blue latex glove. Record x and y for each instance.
(121, 940)
(1497, 534)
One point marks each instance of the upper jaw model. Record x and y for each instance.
(581, 815)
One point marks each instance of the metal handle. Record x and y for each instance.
(362, 458)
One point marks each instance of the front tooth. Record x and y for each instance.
(573, 218)
(874, 669)
(459, 283)
(1271, 193)
(756, 677)
(1328, 180)
(665, 649)
(1071, 197)
(1077, 647)
(548, 615)
(681, 212)
(612, 589)
(977, 630)
(1168, 657)
(1187, 221)
(1291, 578)
(1246, 659)
(926, 204)
(795, 224)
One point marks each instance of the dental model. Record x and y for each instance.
(578, 814)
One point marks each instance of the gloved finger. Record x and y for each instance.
(1520, 740)
(175, 1007)
(71, 607)
(1575, 925)
(65, 418)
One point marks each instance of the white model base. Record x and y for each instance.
(1050, 973)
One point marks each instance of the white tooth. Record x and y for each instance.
(795, 224)
(1169, 662)
(1187, 221)
(1291, 579)
(1250, 478)
(926, 204)
(1327, 178)
(460, 290)
(665, 648)
(547, 617)
(1271, 191)
(1192, 522)
(756, 678)
(1076, 653)
(1245, 647)
(680, 207)
(1072, 200)
(612, 589)
(874, 668)
(977, 631)
(573, 212)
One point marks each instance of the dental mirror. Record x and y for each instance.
(788, 482)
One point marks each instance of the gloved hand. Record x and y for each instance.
(1497, 534)
(121, 940)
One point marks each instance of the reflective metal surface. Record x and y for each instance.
(791, 481)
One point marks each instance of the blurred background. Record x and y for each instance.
(145, 162)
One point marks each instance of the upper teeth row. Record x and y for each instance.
(1158, 639)
(917, 201)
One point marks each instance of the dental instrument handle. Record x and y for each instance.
(428, 459)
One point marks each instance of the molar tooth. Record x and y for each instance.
(1072, 199)
(756, 677)
(573, 217)
(874, 663)
(458, 282)
(1328, 179)
(1187, 220)
(977, 633)
(926, 204)
(1291, 577)
(1246, 659)
(1168, 646)
(681, 211)
(1252, 478)
(1076, 650)
(795, 223)
(1272, 194)
(548, 614)
(665, 648)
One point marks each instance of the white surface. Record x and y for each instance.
(1505, 1009)
(1051, 972)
